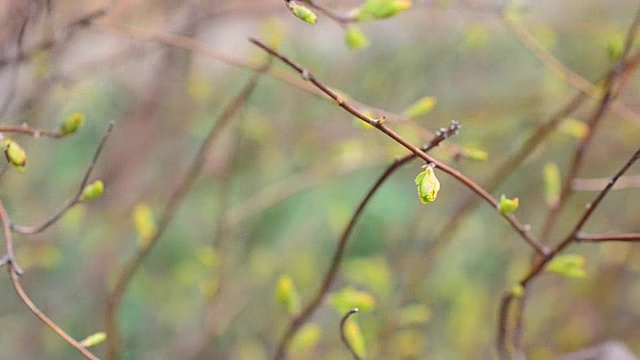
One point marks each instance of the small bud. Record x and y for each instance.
(476, 154)
(421, 107)
(302, 13)
(94, 339)
(517, 291)
(382, 9)
(72, 123)
(569, 266)
(92, 191)
(355, 38)
(428, 185)
(15, 154)
(507, 205)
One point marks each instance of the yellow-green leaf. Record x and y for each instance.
(428, 185)
(475, 154)
(72, 123)
(570, 266)
(287, 295)
(552, 183)
(575, 128)
(507, 205)
(144, 224)
(303, 13)
(415, 314)
(348, 298)
(355, 38)
(306, 338)
(94, 339)
(615, 47)
(421, 107)
(354, 336)
(381, 9)
(15, 154)
(517, 291)
(92, 191)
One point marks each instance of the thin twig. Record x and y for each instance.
(14, 273)
(379, 124)
(77, 198)
(598, 238)
(338, 255)
(343, 334)
(127, 273)
(625, 182)
(36, 133)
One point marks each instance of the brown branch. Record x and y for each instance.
(14, 273)
(338, 255)
(36, 133)
(379, 124)
(77, 198)
(127, 273)
(343, 334)
(598, 238)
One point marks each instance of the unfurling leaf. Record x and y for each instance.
(287, 295)
(475, 154)
(15, 154)
(92, 191)
(307, 337)
(349, 298)
(517, 291)
(354, 336)
(94, 339)
(552, 183)
(428, 185)
(144, 224)
(303, 13)
(507, 206)
(355, 38)
(381, 9)
(570, 266)
(72, 123)
(421, 107)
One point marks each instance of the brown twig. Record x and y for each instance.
(127, 273)
(343, 334)
(338, 255)
(36, 133)
(380, 125)
(598, 238)
(77, 198)
(14, 273)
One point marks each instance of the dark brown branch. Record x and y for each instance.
(77, 198)
(379, 124)
(343, 335)
(598, 238)
(129, 270)
(338, 255)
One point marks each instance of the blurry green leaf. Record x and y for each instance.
(92, 191)
(94, 339)
(570, 266)
(545, 36)
(353, 334)
(348, 298)
(144, 224)
(517, 291)
(381, 9)
(414, 315)
(575, 128)
(287, 295)
(14, 153)
(552, 183)
(208, 256)
(303, 13)
(475, 154)
(373, 273)
(428, 185)
(273, 29)
(615, 47)
(507, 205)
(421, 107)
(357, 122)
(355, 38)
(72, 123)
(307, 337)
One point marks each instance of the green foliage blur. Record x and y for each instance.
(280, 185)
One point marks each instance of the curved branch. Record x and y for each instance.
(343, 335)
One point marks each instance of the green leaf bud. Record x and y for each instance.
(92, 191)
(355, 38)
(507, 206)
(72, 123)
(428, 185)
(15, 154)
(303, 13)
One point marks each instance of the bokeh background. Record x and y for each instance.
(282, 182)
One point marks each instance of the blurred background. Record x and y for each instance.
(281, 183)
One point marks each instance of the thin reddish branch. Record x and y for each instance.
(24, 129)
(598, 238)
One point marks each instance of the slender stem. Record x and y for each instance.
(598, 238)
(23, 129)
(127, 273)
(343, 334)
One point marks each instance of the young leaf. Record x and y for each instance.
(72, 123)
(517, 291)
(355, 38)
(349, 298)
(552, 183)
(381, 9)
(92, 191)
(570, 266)
(575, 128)
(475, 154)
(354, 337)
(507, 206)
(94, 339)
(15, 154)
(303, 13)
(287, 295)
(421, 107)
(307, 337)
(414, 315)
(428, 185)
(144, 224)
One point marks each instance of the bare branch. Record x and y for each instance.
(343, 335)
